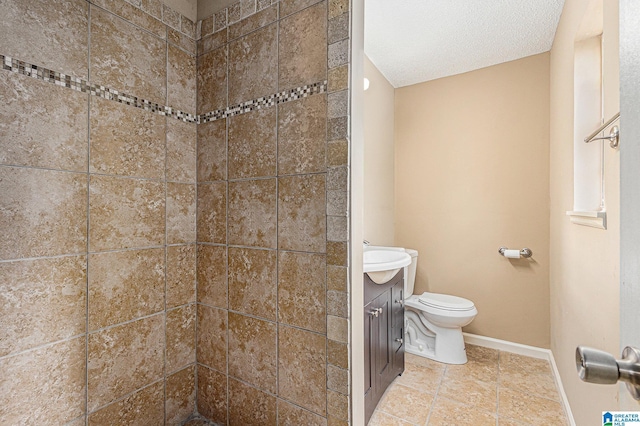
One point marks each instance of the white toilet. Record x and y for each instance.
(433, 322)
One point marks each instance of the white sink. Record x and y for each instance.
(383, 263)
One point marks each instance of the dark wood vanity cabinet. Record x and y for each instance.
(383, 337)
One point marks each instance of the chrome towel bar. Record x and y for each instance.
(614, 134)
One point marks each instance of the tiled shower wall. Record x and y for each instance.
(98, 211)
(98, 214)
(272, 214)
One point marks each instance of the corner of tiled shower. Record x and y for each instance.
(174, 204)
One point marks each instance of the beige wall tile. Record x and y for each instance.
(131, 290)
(42, 212)
(302, 132)
(41, 301)
(338, 353)
(337, 278)
(62, 23)
(258, 20)
(252, 65)
(302, 290)
(212, 213)
(212, 394)
(302, 371)
(338, 303)
(178, 39)
(134, 15)
(337, 253)
(206, 24)
(170, 17)
(338, 153)
(303, 47)
(42, 125)
(287, 7)
(253, 282)
(247, 8)
(252, 213)
(338, 78)
(126, 141)
(181, 337)
(43, 386)
(338, 7)
(181, 213)
(212, 151)
(252, 144)
(181, 80)
(181, 151)
(233, 14)
(212, 275)
(181, 275)
(142, 407)
(210, 42)
(212, 337)
(124, 358)
(212, 80)
(80, 421)
(262, 409)
(180, 396)
(125, 213)
(220, 19)
(252, 351)
(338, 329)
(292, 415)
(126, 58)
(152, 7)
(301, 213)
(337, 379)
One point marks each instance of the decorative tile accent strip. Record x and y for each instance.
(80, 85)
(265, 101)
(64, 80)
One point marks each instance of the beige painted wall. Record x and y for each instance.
(472, 174)
(378, 158)
(584, 271)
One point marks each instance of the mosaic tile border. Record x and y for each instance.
(265, 102)
(80, 85)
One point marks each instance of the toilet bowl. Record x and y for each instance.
(433, 322)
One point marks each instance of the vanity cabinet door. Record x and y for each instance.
(383, 326)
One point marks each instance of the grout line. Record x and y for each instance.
(166, 232)
(40, 347)
(88, 220)
(277, 217)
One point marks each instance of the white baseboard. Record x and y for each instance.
(530, 351)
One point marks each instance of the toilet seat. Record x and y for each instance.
(445, 302)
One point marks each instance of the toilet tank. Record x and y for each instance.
(410, 272)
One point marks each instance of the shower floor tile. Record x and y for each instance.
(494, 388)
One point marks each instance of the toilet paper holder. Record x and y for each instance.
(525, 252)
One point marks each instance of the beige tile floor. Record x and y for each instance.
(494, 388)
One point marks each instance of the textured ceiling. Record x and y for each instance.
(411, 41)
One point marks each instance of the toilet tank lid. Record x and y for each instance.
(445, 301)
